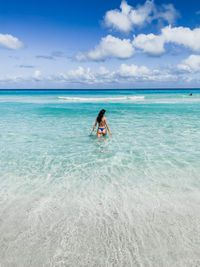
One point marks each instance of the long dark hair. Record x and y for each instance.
(100, 115)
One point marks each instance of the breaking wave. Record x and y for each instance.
(101, 99)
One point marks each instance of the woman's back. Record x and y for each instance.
(102, 122)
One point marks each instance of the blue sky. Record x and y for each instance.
(99, 44)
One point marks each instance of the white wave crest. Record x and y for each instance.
(101, 99)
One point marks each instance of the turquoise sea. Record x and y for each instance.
(71, 199)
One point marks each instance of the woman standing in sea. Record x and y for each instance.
(102, 124)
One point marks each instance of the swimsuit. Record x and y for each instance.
(102, 126)
(102, 129)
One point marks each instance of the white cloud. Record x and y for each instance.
(125, 73)
(150, 44)
(154, 44)
(103, 71)
(141, 14)
(183, 36)
(109, 47)
(37, 75)
(9, 41)
(128, 17)
(191, 64)
(119, 20)
(81, 56)
(167, 12)
(102, 75)
(11, 78)
(85, 75)
(122, 75)
(133, 71)
(80, 74)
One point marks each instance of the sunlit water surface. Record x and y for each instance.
(70, 199)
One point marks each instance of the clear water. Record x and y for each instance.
(70, 199)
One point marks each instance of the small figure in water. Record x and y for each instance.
(190, 94)
(102, 124)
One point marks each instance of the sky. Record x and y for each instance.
(99, 44)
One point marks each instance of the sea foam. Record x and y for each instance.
(101, 99)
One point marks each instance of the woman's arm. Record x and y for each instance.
(94, 126)
(107, 127)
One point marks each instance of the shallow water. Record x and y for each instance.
(70, 199)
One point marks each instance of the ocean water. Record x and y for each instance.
(71, 199)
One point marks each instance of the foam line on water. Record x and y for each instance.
(101, 99)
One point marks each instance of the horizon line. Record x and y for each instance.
(78, 89)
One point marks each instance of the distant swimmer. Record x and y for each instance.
(190, 94)
(102, 124)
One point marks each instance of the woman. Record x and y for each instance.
(102, 124)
